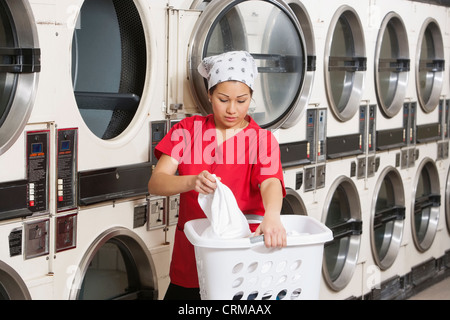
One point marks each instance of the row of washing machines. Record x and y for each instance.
(356, 92)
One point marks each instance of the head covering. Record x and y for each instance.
(232, 65)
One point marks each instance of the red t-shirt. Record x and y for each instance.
(242, 162)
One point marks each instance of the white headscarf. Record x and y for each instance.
(232, 65)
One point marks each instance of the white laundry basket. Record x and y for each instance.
(235, 269)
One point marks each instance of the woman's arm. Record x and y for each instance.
(165, 182)
(271, 226)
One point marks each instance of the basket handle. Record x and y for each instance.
(253, 218)
(257, 239)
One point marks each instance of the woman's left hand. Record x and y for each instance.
(273, 230)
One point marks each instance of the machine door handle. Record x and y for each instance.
(20, 60)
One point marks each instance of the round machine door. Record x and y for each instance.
(426, 202)
(342, 214)
(117, 266)
(293, 203)
(109, 63)
(19, 69)
(345, 63)
(12, 286)
(430, 65)
(388, 215)
(392, 64)
(261, 28)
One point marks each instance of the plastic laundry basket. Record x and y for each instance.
(235, 269)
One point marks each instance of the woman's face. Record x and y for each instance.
(230, 102)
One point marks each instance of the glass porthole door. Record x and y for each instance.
(426, 205)
(342, 214)
(258, 27)
(108, 77)
(392, 65)
(388, 214)
(117, 266)
(345, 63)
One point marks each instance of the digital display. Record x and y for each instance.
(36, 148)
(65, 145)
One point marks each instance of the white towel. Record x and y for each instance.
(221, 209)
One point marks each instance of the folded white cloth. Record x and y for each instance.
(221, 209)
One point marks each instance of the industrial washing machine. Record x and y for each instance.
(344, 180)
(413, 149)
(26, 133)
(431, 166)
(382, 249)
(111, 97)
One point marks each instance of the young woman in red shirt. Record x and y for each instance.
(229, 144)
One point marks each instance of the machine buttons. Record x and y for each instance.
(67, 169)
(37, 170)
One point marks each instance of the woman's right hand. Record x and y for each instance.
(205, 182)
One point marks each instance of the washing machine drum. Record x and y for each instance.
(108, 77)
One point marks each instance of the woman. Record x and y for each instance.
(229, 144)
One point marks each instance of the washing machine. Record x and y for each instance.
(343, 75)
(26, 130)
(345, 66)
(430, 169)
(387, 87)
(111, 108)
(411, 147)
(385, 240)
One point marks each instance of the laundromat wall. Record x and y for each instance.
(356, 92)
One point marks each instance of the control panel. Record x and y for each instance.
(321, 135)
(37, 153)
(67, 169)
